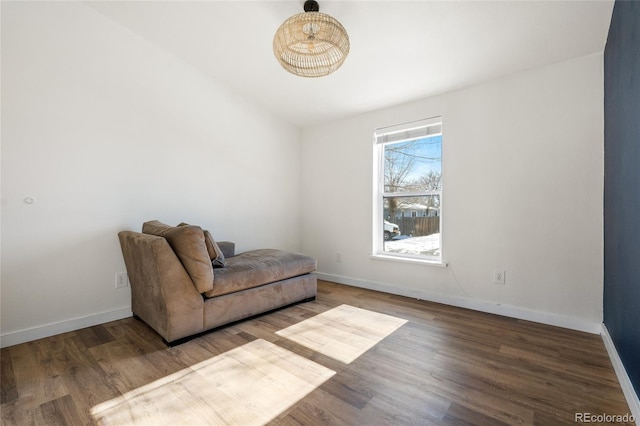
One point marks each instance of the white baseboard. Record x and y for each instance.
(476, 305)
(625, 382)
(47, 330)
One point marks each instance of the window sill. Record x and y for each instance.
(402, 259)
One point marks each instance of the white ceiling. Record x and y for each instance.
(400, 50)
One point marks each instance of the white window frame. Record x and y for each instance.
(393, 134)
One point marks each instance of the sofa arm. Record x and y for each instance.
(228, 248)
(162, 293)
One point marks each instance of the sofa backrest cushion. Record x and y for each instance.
(215, 252)
(189, 245)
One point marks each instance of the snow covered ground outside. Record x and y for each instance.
(429, 245)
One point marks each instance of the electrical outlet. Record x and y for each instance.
(338, 257)
(122, 280)
(499, 276)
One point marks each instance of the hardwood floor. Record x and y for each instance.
(444, 365)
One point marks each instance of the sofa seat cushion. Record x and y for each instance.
(258, 267)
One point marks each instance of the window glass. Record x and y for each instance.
(410, 190)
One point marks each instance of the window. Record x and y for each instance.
(408, 190)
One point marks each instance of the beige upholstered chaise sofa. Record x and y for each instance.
(184, 283)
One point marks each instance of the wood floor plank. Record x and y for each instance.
(61, 411)
(444, 366)
(35, 385)
(94, 336)
(7, 378)
(459, 414)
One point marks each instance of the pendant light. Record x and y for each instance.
(311, 44)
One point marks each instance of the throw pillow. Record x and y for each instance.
(217, 257)
(188, 243)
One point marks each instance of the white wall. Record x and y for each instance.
(106, 131)
(523, 185)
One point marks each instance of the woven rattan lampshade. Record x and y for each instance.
(311, 44)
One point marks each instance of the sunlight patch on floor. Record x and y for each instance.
(344, 332)
(249, 385)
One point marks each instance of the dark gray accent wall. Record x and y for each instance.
(622, 185)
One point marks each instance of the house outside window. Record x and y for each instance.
(408, 190)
